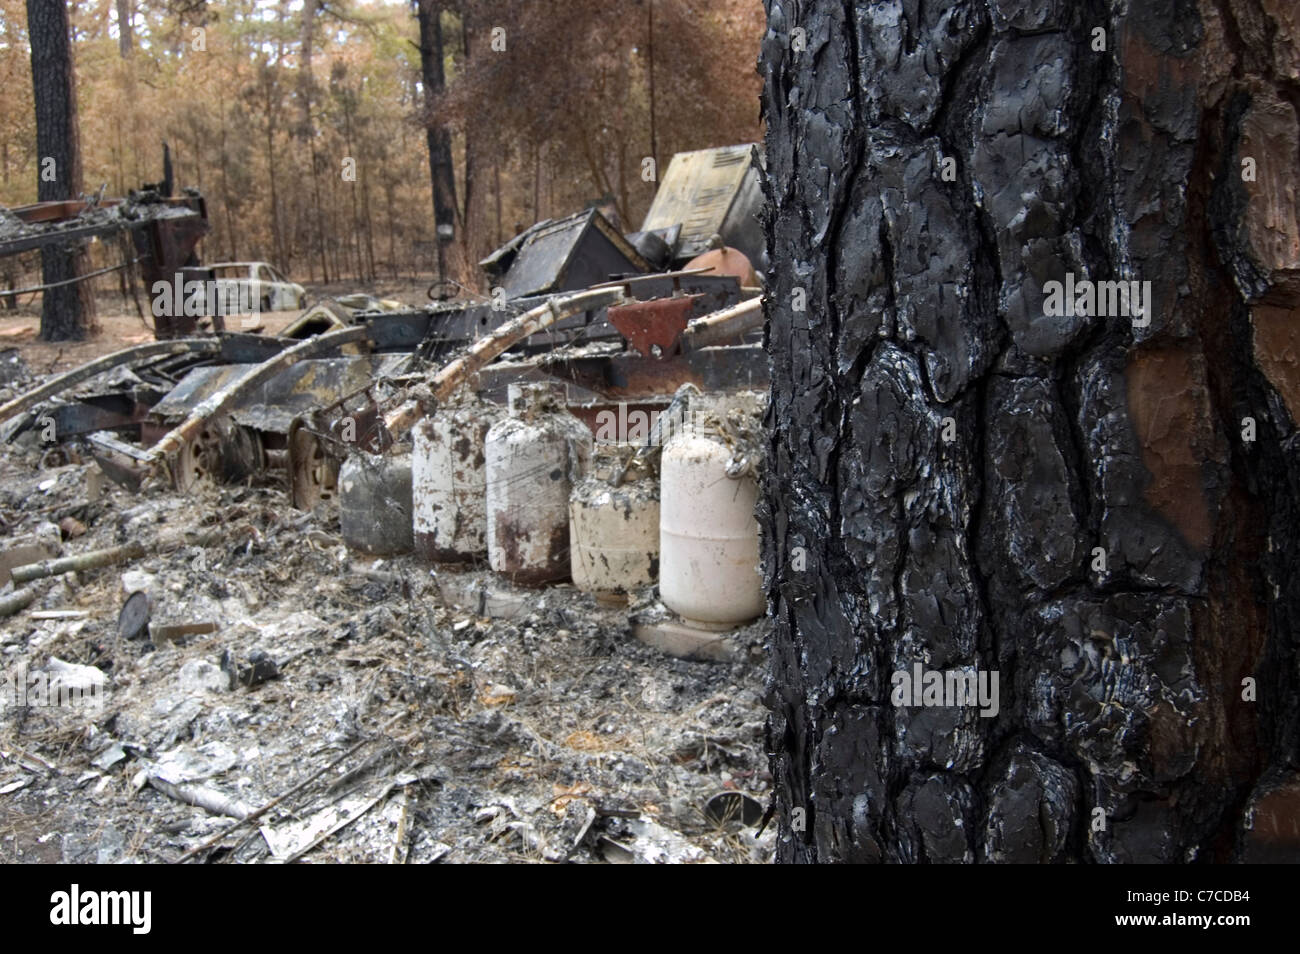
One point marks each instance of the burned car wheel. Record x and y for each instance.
(199, 460)
(313, 473)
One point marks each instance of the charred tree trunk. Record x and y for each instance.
(307, 127)
(68, 309)
(468, 215)
(124, 35)
(441, 172)
(1100, 509)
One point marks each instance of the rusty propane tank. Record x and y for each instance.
(533, 458)
(449, 482)
(614, 530)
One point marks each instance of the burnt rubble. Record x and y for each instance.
(212, 537)
(548, 734)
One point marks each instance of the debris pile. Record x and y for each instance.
(208, 551)
(271, 655)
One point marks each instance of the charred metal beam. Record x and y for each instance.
(69, 379)
(622, 376)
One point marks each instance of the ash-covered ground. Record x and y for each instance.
(393, 728)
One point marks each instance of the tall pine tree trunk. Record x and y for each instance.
(469, 216)
(124, 34)
(441, 172)
(1100, 509)
(67, 310)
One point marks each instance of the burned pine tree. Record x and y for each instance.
(441, 172)
(67, 308)
(1098, 504)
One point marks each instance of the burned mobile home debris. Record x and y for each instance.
(577, 450)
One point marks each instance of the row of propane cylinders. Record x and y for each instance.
(532, 490)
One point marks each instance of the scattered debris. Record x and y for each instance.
(176, 632)
(731, 806)
(59, 614)
(84, 561)
(134, 617)
(258, 669)
(386, 710)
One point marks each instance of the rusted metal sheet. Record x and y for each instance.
(726, 261)
(714, 292)
(620, 417)
(164, 246)
(197, 386)
(563, 255)
(311, 384)
(711, 192)
(654, 328)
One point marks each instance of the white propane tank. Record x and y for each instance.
(449, 483)
(614, 530)
(708, 534)
(533, 458)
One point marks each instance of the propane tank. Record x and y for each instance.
(614, 530)
(708, 534)
(449, 483)
(533, 459)
(375, 502)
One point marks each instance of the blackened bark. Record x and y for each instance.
(471, 171)
(68, 309)
(124, 35)
(441, 173)
(1074, 502)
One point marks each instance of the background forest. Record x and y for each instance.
(546, 107)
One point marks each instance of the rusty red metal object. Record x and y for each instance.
(165, 246)
(654, 328)
(58, 210)
(726, 261)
